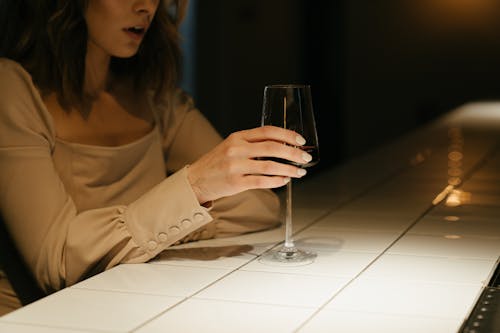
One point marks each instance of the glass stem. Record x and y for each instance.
(288, 218)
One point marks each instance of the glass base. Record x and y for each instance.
(287, 256)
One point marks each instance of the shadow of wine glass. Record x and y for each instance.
(204, 253)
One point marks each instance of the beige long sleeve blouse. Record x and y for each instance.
(74, 209)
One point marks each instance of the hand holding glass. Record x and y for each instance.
(290, 107)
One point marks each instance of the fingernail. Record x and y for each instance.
(300, 140)
(286, 180)
(301, 172)
(307, 157)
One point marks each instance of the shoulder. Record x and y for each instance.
(172, 107)
(15, 80)
(9, 69)
(21, 106)
(174, 101)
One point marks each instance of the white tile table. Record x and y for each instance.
(398, 251)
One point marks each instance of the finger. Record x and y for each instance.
(273, 168)
(256, 182)
(273, 133)
(278, 150)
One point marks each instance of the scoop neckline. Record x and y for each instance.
(102, 147)
(10, 62)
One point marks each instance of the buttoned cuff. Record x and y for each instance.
(165, 214)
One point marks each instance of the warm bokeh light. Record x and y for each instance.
(452, 236)
(455, 155)
(449, 13)
(453, 201)
(420, 156)
(457, 197)
(417, 159)
(454, 197)
(451, 218)
(463, 7)
(454, 172)
(442, 195)
(454, 181)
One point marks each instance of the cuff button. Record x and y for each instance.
(152, 245)
(186, 223)
(174, 230)
(162, 237)
(198, 217)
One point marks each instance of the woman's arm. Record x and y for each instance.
(60, 244)
(190, 137)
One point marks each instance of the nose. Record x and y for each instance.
(145, 7)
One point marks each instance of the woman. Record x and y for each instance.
(102, 160)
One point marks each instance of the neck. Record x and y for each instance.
(96, 70)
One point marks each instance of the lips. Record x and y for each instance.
(136, 32)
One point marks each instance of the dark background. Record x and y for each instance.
(377, 68)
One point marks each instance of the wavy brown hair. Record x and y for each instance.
(49, 39)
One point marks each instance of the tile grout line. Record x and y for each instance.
(361, 193)
(353, 198)
(327, 212)
(478, 165)
(364, 269)
(468, 175)
(340, 205)
(75, 329)
(124, 292)
(194, 294)
(255, 257)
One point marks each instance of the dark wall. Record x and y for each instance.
(409, 61)
(377, 68)
(242, 46)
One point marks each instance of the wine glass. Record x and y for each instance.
(290, 106)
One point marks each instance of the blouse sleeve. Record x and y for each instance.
(189, 135)
(58, 243)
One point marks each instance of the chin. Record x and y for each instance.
(125, 54)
